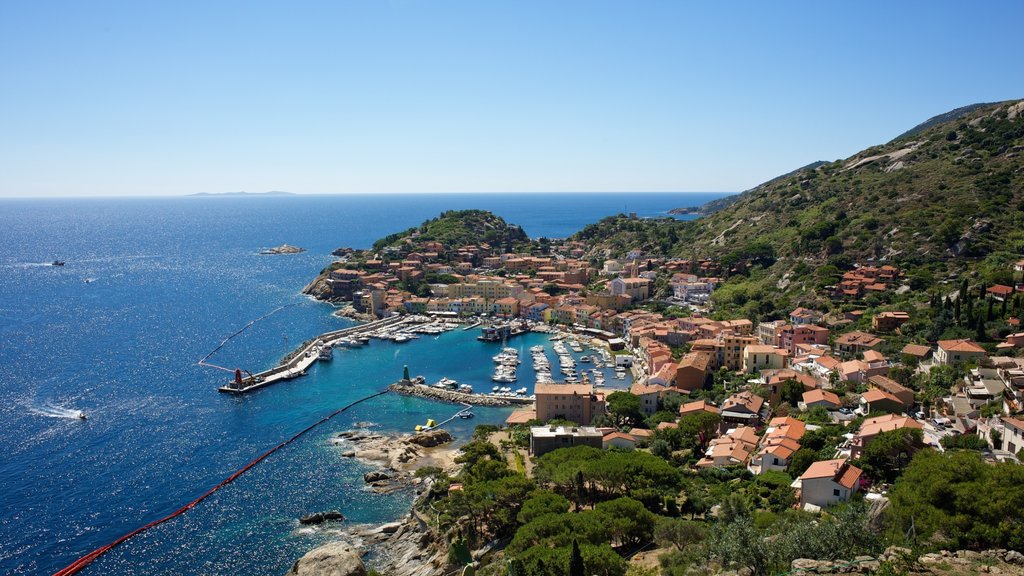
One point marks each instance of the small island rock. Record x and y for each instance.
(283, 249)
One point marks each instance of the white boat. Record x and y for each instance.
(585, 359)
(326, 353)
(401, 339)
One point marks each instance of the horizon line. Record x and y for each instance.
(280, 194)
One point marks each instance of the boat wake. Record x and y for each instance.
(51, 411)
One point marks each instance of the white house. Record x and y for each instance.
(827, 482)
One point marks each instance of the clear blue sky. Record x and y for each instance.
(147, 98)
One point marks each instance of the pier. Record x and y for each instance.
(455, 397)
(304, 357)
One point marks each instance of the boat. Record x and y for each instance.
(466, 415)
(57, 263)
(585, 359)
(81, 415)
(401, 339)
(466, 388)
(495, 388)
(326, 353)
(364, 339)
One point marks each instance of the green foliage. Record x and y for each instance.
(542, 502)
(624, 407)
(587, 475)
(956, 500)
(885, 457)
(964, 442)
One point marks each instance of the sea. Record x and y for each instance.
(150, 286)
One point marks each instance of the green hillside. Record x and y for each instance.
(457, 228)
(943, 200)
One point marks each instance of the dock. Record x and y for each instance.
(305, 356)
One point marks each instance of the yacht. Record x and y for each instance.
(401, 339)
(326, 353)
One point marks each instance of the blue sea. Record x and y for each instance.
(168, 279)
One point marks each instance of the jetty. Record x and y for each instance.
(297, 362)
(409, 388)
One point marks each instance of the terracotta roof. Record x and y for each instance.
(960, 346)
(621, 435)
(699, 406)
(839, 471)
(747, 400)
(916, 350)
(876, 395)
(874, 426)
(819, 395)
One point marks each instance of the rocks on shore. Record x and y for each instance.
(431, 438)
(375, 476)
(333, 559)
(282, 249)
(321, 517)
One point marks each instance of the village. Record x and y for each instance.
(763, 386)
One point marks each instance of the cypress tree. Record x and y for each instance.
(991, 312)
(576, 561)
(1003, 314)
(980, 335)
(956, 309)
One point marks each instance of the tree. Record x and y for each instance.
(886, 456)
(960, 498)
(801, 461)
(624, 408)
(576, 560)
(542, 502)
(678, 532)
(631, 524)
(696, 430)
(792, 392)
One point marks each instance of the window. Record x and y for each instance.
(835, 492)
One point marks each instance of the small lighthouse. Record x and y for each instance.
(405, 375)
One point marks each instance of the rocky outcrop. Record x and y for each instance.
(283, 249)
(334, 559)
(431, 438)
(375, 476)
(942, 563)
(321, 517)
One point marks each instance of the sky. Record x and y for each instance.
(109, 98)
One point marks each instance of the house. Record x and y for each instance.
(1000, 292)
(827, 482)
(791, 336)
(1015, 340)
(805, 316)
(820, 397)
(1013, 434)
(889, 321)
(876, 400)
(958, 351)
(917, 351)
(742, 407)
(692, 371)
(902, 393)
(780, 441)
(619, 440)
(698, 407)
(574, 402)
(757, 357)
(544, 439)
(856, 342)
(649, 394)
(732, 449)
(872, 427)
(636, 288)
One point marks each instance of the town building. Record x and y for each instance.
(544, 439)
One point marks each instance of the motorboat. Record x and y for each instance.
(57, 263)
(401, 339)
(81, 415)
(326, 353)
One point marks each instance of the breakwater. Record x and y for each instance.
(456, 397)
(302, 358)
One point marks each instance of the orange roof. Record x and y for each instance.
(875, 426)
(698, 406)
(819, 395)
(839, 471)
(960, 346)
(621, 435)
(876, 395)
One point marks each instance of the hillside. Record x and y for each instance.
(457, 228)
(945, 199)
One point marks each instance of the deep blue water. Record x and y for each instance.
(171, 277)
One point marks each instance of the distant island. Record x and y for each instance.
(283, 249)
(243, 193)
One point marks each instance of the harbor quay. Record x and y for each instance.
(409, 388)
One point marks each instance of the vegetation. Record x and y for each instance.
(459, 228)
